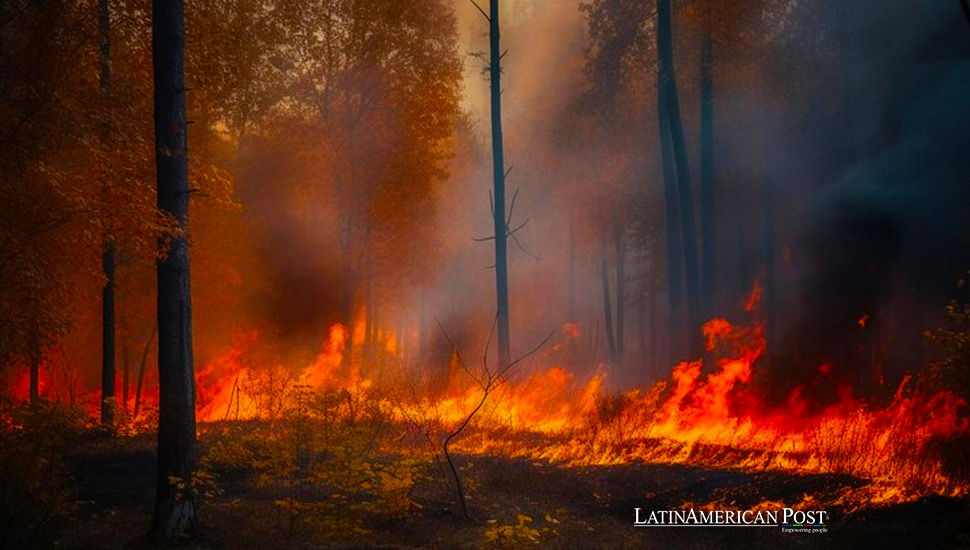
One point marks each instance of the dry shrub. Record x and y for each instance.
(36, 489)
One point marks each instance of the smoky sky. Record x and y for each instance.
(894, 223)
(867, 164)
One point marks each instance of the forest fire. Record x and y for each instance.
(484, 275)
(703, 415)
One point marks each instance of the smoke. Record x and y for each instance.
(889, 237)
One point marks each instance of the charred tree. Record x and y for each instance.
(708, 190)
(175, 509)
(670, 111)
(675, 262)
(108, 256)
(500, 224)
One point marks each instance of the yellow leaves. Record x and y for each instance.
(511, 536)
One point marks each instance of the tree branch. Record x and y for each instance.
(481, 11)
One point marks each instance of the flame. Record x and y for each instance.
(754, 297)
(709, 412)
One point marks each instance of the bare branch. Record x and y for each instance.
(481, 11)
(522, 248)
(503, 375)
(512, 207)
(454, 348)
(511, 232)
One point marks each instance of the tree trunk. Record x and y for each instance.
(108, 256)
(675, 262)
(708, 190)
(671, 109)
(174, 514)
(141, 370)
(620, 333)
(108, 337)
(125, 373)
(499, 222)
(607, 308)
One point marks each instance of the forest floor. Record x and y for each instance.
(569, 509)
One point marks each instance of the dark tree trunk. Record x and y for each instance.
(108, 337)
(675, 262)
(708, 190)
(499, 222)
(108, 257)
(670, 109)
(607, 308)
(125, 373)
(175, 509)
(141, 370)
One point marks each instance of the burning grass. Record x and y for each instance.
(707, 414)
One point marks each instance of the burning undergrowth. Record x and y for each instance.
(709, 414)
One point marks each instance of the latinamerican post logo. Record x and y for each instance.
(787, 519)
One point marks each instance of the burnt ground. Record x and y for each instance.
(587, 508)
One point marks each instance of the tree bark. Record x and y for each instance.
(498, 173)
(108, 256)
(174, 514)
(671, 110)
